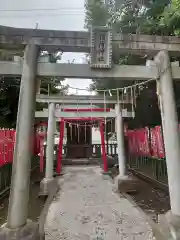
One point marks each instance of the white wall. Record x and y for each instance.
(96, 137)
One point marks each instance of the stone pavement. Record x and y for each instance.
(86, 208)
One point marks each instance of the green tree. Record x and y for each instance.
(160, 17)
(170, 18)
(96, 13)
(10, 86)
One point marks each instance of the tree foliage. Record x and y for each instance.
(160, 17)
(10, 86)
(170, 18)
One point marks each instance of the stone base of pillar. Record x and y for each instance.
(28, 232)
(46, 186)
(125, 184)
(105, 175)
(169, 226)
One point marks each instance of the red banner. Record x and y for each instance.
(154, 147)
(146, 142)
(7, 143)
(143, 142)
(160, 142)
(138, 142)
(6, 146)
(132, 142)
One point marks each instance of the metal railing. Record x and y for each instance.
(153, 168)
(5, 174)
(5, 177)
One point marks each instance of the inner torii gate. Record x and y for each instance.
(76, 112)
(70, 114)
(63, 121)
(34, 40)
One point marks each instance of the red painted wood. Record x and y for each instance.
(41, 155)
(104, 155)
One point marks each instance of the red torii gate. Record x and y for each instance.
(87, 119)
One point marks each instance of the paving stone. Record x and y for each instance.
(86, 208)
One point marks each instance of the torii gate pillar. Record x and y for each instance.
(171, 140)
(123, 182)
(17, 226)
(120, 141)
(46, 183)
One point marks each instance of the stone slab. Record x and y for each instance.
(126, 184)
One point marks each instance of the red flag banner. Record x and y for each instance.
(160, 142)
(143, 142)
(138, 142)
(132, 142)
(6, 146)
(154, 147)
(146, 142)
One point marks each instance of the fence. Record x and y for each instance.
(7, 142)
(146, 152)
(111, 150)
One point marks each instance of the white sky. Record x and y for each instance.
(61, 15)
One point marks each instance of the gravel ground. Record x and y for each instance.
(86, 208)
(152, 200)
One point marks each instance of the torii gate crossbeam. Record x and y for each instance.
(118, 72)
(74, 41)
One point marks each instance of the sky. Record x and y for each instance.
(55, 15)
